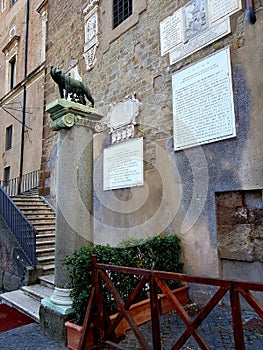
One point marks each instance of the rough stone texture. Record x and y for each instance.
(52, 324)
(14, 268)
(239, 218)
(179, 191)
(235, 243)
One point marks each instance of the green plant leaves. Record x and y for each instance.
(161, 252)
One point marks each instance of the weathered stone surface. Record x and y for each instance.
(235, 243)
(132, 63)
(52, 324)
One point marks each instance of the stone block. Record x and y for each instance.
(246, 271)
(259, 249)
(52, 323)
(236, 243)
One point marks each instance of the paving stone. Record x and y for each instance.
(29, 337)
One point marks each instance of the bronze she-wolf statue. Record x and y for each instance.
(75, 89)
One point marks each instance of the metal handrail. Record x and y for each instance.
(20, 227)
(27, 183)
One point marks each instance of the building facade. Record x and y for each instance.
(22, 72)
(206, 188)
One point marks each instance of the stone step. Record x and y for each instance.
(46, 260)
(26, 198)
(41, 217)
(45, 251)
(37, 212)
(47, 281)
(43, 225)
(45, 244)
(46, 237)
(37, 291)
(48, 269)
(46, 228)
(29, 207)
(22, 302)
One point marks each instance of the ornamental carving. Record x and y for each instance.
(91, 33)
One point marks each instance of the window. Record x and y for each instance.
(122, 9)
(8, 137)
(117, 17)
(12, 64)
(6, 175)
(11, 53)
(13, 2)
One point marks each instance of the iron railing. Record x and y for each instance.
(28, 182)
(22, 230)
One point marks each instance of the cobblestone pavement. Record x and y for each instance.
(216, 329)
(29, 337)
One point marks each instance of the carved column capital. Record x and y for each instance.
(65, 114)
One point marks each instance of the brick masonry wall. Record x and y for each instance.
(181, 186)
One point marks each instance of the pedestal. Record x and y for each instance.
(76, 125)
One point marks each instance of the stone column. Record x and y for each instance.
(76, 125)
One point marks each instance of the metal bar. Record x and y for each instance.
(27, 182)
(251, 15)
(155, 314)
(237, 319)
(20, 227)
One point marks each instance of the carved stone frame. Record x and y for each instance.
(91, 43)
(108, 33)
(11, 52)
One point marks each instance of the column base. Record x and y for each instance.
(59, 301)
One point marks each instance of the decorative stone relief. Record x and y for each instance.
(91, 33)
(122, 117)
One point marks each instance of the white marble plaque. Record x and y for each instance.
(203, 107)
(123, 165)
(223, 8)
(196, 25)
(218, 31)
(171, 31)
(123, 113)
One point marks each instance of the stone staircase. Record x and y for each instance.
(27, 299)
(42, 217)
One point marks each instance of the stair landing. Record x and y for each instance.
(28, 299)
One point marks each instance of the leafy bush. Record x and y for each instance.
(159, 253)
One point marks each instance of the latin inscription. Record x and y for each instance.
(203, 102)
(123, 165)
(222, 8)
(196, 25)
(171, 31)
(216, 32)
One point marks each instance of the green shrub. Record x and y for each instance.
(159, 253)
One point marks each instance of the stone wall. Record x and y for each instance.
(180, 187)
(15, 270)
